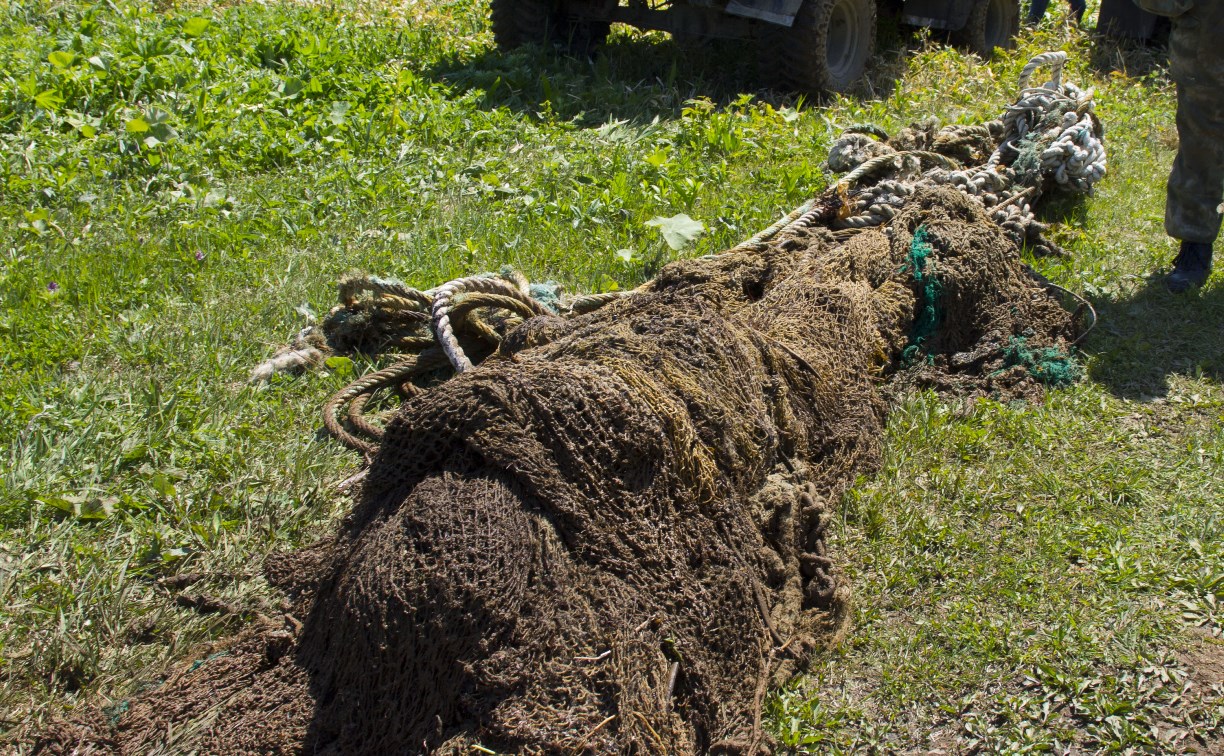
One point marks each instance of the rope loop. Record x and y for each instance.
(1055, 60)
(444, 306)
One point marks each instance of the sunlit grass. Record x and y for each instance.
(1001, 555)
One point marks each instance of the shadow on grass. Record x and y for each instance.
(632, 77)
(1135, 58)
(639, 76)
(1063, 208)
(1144, 337)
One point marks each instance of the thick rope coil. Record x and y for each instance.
(868, 128)
(366, 385)
(1055, 60)
(518, 305)
(758, 240)
(370, 302)
(1048, 136)
(879, 163)
(357, 418)
(964, 136)
(591, 302)
(443, 305)
(352, 286)
(1076, 157)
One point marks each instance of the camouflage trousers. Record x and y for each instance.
(1196, 185)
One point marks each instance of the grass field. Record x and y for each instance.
(181, 185)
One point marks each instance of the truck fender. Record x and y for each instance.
(780, 12)
(949, 15)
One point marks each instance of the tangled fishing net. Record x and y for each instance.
(600, 525)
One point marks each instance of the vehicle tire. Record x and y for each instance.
(544, 22)
(826, 50)
(581, 38)
(991, 24)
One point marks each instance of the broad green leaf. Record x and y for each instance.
(658, 158)
(217, 197)
(83, 507)
(58, 502)
(97, 508)
(136, 453)
(625, 254)
(137, 125)
(28, 86)
(61, 59)
(195, 26)
(86, 128)
(547, 88)
(338, 112)
(678, 231)
(342, 366)
(49, 100)
(162, 485)
(291, 86)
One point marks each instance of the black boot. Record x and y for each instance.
(1191, 268)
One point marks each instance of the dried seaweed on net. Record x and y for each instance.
(611, 535)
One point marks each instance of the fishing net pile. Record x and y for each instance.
(601, 531)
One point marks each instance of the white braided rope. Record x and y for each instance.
(1072, 156)
(1055, 60)
(1076, 157)
(444, 300)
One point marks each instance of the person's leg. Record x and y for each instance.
(1196, 184)
(1077, 10)
(1197, 180)
(1037, 11)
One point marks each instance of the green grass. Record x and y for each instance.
(174, 193)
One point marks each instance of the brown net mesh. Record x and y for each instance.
(611, 535)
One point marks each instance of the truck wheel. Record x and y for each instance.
(991, 24)
(582, 38)
(523, 22)
(827, 48)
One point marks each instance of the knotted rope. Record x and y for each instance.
(1048, 137)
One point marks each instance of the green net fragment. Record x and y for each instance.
(115, 712)
(928, 316)
(547, 294)
(1051, 366)
(211, 657)
(1028, 163)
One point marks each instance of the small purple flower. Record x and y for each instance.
(199, 256)
(53, 286)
